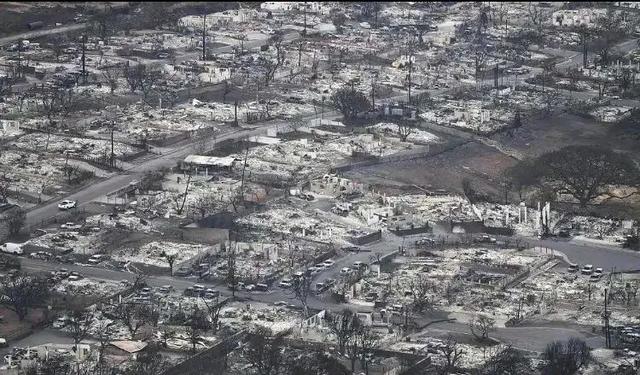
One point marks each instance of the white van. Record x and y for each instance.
(12, 248)
(95, 259)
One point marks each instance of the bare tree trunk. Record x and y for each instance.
(186, 192)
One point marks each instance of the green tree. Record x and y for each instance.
(583, 172)
(350, 102)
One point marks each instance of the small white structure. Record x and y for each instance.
(577, 17)
(330, 184)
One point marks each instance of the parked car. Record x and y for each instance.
(328, 263)
(67, 204)
(63, 273)
(211, 294)
(95, 259)
(285, 283)
(198, 287)
(262, 287)
(182, 271)
(425, 241)
(165, 289)
(345, 270)
(60, 322)
(487, 239)
(573, 268)
(72, 226)
(587, 269)
(359, 265)
(250, 287)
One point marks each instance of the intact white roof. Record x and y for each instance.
(226, 161)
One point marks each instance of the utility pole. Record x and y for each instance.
(112, 149)
(373, 92)
(84, 52)
(235, 113)
(19, 59)
(606, 321)
(204, 37)
(409, 88)
(244, 167)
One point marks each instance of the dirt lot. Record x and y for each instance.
(540, 135)
(478, 162)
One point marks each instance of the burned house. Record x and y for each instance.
(206, 164)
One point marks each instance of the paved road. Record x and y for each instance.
(528, 338)
(39, 33)
(607, 258)
(167, 160)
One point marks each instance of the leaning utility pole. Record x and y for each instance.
(204, 37)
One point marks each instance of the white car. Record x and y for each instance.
(96, 259)
(67, 204)
(328, 263)
(345, 270)
(72, 226)
(60, 322)
(587, 269)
